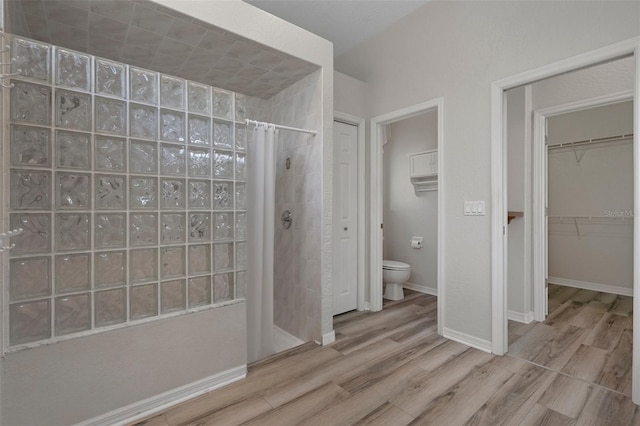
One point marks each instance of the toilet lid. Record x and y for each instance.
(396, 266)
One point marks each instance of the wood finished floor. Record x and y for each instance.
(391, 368)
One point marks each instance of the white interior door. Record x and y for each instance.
(345, 254)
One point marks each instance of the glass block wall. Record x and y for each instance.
(129, 185)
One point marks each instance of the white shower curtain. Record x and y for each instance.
(260, 244)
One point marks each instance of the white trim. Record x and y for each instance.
(467, 339)
(605, 288)
(360, 123)
(328, 338)
(420, 288)
(498, 175)
(499, 338)
(528, 203)
(375, 167)
(525, 318)
(539, 225)
(150, 406)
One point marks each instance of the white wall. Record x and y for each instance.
(406, 214)
(599, 184)
(456, 50)
(350, 95)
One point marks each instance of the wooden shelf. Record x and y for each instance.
(513, 215)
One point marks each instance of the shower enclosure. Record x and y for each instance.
(127, 173)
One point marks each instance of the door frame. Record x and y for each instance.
(376, 208)
(540, 170)
(499, 335)
(360, 123)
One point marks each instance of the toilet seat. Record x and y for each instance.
(392, 265)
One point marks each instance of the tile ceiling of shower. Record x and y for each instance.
(148, 35)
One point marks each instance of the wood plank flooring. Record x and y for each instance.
(391, 368)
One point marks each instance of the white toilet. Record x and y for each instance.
(394, 274)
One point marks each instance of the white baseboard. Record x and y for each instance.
(328, 338)
(622, 291)
(466, 339)
(420, 288)
(525, 318)
(155, 404)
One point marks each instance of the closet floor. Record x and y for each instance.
(392, 368)
(587, 336)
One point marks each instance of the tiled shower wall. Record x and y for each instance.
(129, 186)
(297, 282)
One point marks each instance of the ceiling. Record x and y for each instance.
(148, 35)
(346, 23)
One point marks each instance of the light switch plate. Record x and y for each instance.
(474, 208)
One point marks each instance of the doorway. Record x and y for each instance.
(499, 199)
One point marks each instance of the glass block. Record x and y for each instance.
(143, 301)
(172, 127)
(110, 230)
(173, 296)
(222, 103)
(143, 265)
(172, 262)
(110, 78)
(223, 164)
(73, 110)
(241, 107)
(173, 160)
(222, 195)
(144, 192)
(144, 229)
(199, 98)
(199, 130)
(222, 257)
(111, 116)
(33, 59)
(73, 313)
(30, 278)
(199, 291)
(73, 150)
(30, 190)
(241, 167)
(30, 146)
(241, 284)
(143, 85)
(143, 121)
(241, 196)
(241, 137)
(72, 273)
(73, 69)
(111, 192)
(199, 227)
(111, 153)
(36, 234)
(199, 259)
(241, 255)
(199, 194)
(172, 228)
(223, 226)
(72, 231)
(110, 269)
(31, 103)
(222, 134)
(73, 190)
(241, 226)
(144, 157)
(29, 322)
(172, 194)
(171, 92)
(222, 287)
(110, 307)
(199, 162)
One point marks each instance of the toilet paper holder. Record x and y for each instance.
(416, 242)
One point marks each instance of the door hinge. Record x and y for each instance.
(381, 227)
(504, 230)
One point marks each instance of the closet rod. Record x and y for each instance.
(592, 141)
(278, 126)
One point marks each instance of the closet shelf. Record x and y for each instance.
(512, 215)
(585, 142)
